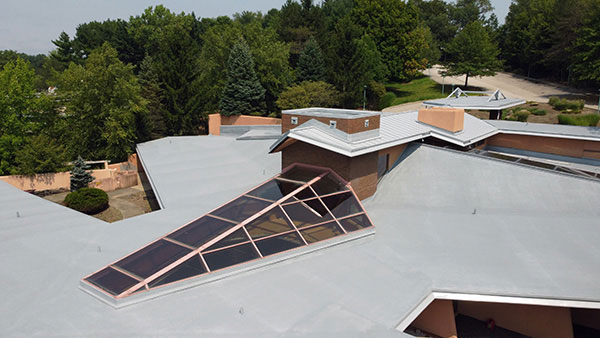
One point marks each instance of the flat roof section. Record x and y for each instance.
(477, 100)
(332, 112)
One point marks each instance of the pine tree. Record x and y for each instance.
(80, 178)
(243, 93)
(311, 66)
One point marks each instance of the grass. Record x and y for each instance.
(579, 120)
(419, 89)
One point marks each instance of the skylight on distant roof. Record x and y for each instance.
(301, 206)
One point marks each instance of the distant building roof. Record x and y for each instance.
(477, 100)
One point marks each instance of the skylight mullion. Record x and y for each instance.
(204, 262)
(222, 219)
(128, 273)
(252, 241)
(260, 198)
(225, 247)
(179, 243)
(332, 215)
(291, 181)
(352, 215)
(334, 193)
(292, 223)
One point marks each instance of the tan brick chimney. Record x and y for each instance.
(450, 119)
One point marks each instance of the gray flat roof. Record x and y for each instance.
(332, 112)
(549, 130)
(477, 100)
(534, 234)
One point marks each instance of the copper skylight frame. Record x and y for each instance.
(143, 284)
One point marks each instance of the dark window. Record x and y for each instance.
(277, 244)
(355, 223)
(201, 231)
(271, 223)
(302, 174)
(112, 281)
(228, 257)
(382, 165)
(241, 208)
(344, 204)
(235, 237)
(328, 185)
(191, 267)
(321, 232)
(152, 258)
(307, 213)
(274, 190)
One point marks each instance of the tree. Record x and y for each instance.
(311, 66)
(309, 94)
(243, 93)
(587, 49)
(64, 53)
(472, 53)
(154, 125)
(395, 28)
(465, 12)
(41, 154)
(80, 177)
(103, 98)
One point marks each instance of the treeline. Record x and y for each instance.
(119, 82)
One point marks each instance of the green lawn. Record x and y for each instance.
(416, 90)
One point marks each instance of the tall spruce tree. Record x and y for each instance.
(80, 177)
(311, 66)
(243, 93)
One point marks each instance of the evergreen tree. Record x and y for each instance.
(80, 177)
(64, 53)
(154, 124)
(243, 93)
(472, 53)
(311, 66)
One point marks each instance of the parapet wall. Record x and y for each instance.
(215, 121)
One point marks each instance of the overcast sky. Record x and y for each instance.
(28, 26)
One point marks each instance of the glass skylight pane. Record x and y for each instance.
(152, 258)
(231, 256)
(355, 223)
(344, 204)
(303, 174)
(321, 232)
(191, 267)
(201, 231)
(235, 237)
(307, 213)
(304, 194)
(328, 185)
(112, 281)
(241, 208)
(274, 189)
(277, 244)
(271, 223)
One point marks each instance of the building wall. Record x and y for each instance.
(550, 145)
(437, 318)
(360, 171)
(215, 121)
(530, 320)
(350, 126)
(394, 152)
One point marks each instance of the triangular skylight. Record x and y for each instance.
(301, 206)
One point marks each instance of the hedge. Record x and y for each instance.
(589, 120)
(87, 200)
(564, 104)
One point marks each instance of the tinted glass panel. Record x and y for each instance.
(201, 231)
(191, 267)
(241, 208)
(355, 223)
(227, 257)
(328, 185)
(537, 164)
(152, 258)
(341, 205)
(307, 213)
(271, 223)
(321, 232)
(235, 237)
(274, 190)
(304, 194)
(301, 174)
(112, 281)
(277, 244)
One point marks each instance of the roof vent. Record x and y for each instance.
(450, 119)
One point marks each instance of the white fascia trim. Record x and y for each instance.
(543, 134)
(469, 297)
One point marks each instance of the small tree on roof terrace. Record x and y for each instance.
(243, 93)
(473, 53)
(80, 177)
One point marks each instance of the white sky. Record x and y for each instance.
(28, 26)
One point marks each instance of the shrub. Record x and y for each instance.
(87, 200)
(589, 120)
(521, 116)
(564, 104)
(537, 111)
(570, 111)
(387, 100)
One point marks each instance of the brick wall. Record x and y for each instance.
(350, 126)
(549, 145)
(360, 171)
